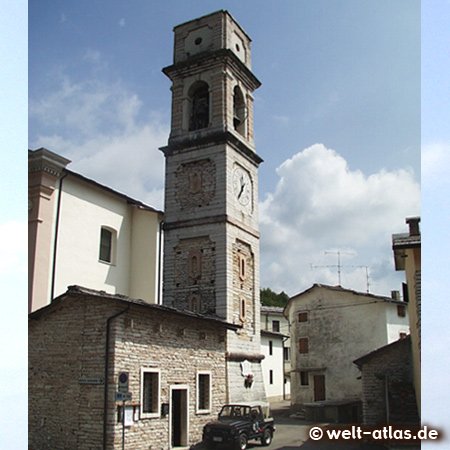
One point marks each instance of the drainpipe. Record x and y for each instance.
(58, 209)
(105, 395)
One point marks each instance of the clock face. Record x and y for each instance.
(242, 186)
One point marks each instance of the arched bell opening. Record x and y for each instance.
(199, 106)
(239, 111)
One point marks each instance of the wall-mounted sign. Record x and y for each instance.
(123, 382)
(91, 380)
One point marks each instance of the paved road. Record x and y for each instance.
(293, 434)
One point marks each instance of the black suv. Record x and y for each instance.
(237, 424)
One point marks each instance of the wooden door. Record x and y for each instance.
(319, 388)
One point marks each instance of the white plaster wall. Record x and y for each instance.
(341, 327)
(396, 324)
(85, 208)
(273, 362)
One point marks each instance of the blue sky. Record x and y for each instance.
(337, 119)
(338, 109)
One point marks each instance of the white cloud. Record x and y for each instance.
(101, 128)
(320, 205)
(436, 162)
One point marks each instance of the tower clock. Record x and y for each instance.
(211, 237)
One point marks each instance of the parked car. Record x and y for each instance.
(239, 423)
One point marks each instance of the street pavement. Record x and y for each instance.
(293, 434)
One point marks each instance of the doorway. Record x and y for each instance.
(319, 388)
(179, 416)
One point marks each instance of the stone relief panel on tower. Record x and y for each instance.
(243, 287)
(195, 183)
(195, 269)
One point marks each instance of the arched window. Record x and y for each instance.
(199, 114)
(239, 111)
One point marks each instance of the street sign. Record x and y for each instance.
(123, 396)
(123, 382)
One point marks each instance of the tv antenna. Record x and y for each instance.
(339, 266)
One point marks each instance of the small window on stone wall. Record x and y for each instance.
(242, 309)
(304, 379)
(303, 317)
(203, 392)
(195, 264)
(242, 267)
(303, 345)
(150, 393)
(194, 303)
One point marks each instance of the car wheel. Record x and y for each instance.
(242, 442)
(266, 438)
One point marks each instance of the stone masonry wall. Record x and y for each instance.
(392, 365)
(67, 344)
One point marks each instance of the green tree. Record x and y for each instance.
(271, 298)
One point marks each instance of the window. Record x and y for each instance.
(270, 376)
(401, 310)
(242, 309)
(270, 348)
(203, 392)
(199, 97)
(239, 111)
(303, 317)
(276, 326)
(106, 245)
(286, 353)
(304, 379)
(194, 303)
(150, 393)
(303, 345)
(242, 268)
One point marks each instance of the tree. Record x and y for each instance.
(271, 298)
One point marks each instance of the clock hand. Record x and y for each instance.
(242, 189)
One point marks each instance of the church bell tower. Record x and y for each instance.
(211, 237)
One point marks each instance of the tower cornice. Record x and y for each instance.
(198, 63)
(206, 139)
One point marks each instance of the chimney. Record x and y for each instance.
(395, 295)
(413, 223)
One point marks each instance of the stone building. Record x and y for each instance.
(82, 232)
(331, 327)
(407, 257)
(80, 344)
(387, 390)
(211, 237)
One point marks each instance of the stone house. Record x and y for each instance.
(82, 232)
(407, 257)
(80, 344)
(387, 390)
(331, 327)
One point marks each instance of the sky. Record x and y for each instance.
(337, 119)
(337, 122)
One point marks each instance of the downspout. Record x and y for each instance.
(160, 262)
(55, 246)
(284, 369)
(105, 395)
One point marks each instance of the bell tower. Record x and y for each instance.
(211, 237)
